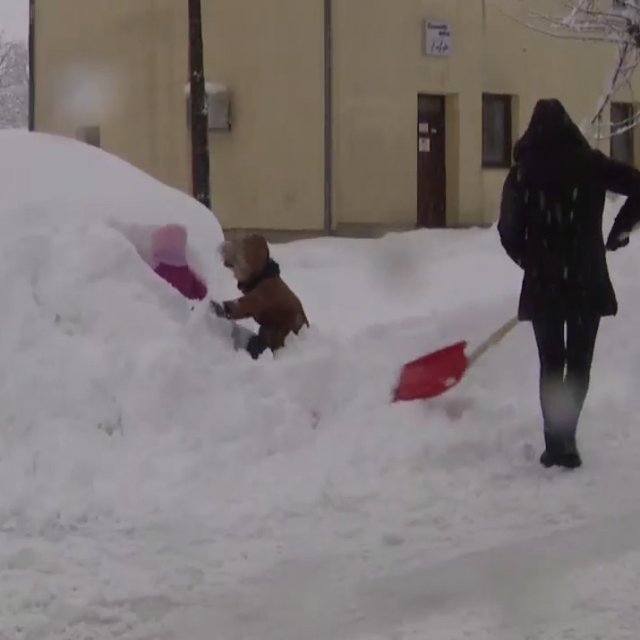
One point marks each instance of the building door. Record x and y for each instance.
(432, 181)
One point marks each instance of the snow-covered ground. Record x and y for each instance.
(157, 485)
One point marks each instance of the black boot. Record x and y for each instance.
(560, 451)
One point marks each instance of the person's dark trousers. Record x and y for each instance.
(565, 349)
(256, 346)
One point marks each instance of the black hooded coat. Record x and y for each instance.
(551, 217)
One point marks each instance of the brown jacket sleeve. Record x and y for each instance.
(247, 306)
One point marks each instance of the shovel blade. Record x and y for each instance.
(432, 374)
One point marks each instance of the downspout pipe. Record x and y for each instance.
(328, 117)
(32, 65)
(200, 162)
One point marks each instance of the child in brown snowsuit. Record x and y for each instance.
(266, 297)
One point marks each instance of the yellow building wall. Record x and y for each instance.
(381, 71)
(379, 74)
(92, 69)
(268, 172)
(529, 65)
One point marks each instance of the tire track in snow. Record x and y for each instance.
(521, 575)
(319, 600)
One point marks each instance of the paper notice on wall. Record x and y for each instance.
(437, 39)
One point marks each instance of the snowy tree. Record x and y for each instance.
(616, 22)
(14, 84)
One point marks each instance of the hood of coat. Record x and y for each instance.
(552, 148)
(169, 246)
(247, 257)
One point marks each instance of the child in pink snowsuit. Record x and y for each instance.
(169, 261)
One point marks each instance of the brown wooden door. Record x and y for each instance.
(432, 181)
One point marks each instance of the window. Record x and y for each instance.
(622, 144)
(90, 135)
(496, 131)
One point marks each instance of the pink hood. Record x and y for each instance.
(169, 246)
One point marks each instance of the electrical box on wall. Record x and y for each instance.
(218, 106)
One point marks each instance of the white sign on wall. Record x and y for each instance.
(437, 39)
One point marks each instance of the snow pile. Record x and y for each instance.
(147, 469)
(75, 185)
(92, 340)
(94, 345)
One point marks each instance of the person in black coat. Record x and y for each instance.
(551, 226)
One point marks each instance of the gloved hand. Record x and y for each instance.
(218, 309)
(616, 241)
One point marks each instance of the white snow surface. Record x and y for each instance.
(157, 485)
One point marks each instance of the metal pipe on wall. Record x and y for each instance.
(32, 65)
(200, 169)
(328, 117)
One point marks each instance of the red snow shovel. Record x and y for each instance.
(437, 372)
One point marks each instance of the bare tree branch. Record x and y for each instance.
(615, 22)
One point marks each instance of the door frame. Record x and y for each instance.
(422, 221)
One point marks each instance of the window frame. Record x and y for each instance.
(625, 138)
(505, 101)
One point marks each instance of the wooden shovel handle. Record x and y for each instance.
(495, 338)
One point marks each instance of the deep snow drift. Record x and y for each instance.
(155, 484)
